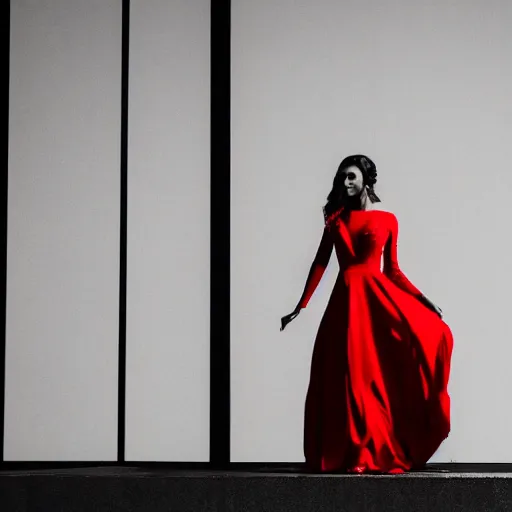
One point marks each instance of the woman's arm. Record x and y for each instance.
(393, 272)
(317, 269)
(320, 262)
(391, 267)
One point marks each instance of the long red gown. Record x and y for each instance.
(377, 398)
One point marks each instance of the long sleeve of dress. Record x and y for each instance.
(318, 267)
(391, 267)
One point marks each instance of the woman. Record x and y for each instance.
(377, 399)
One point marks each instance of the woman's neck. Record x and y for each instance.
(360, 202)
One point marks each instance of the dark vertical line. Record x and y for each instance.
(220, 233)
(5, 44)
(121, 407)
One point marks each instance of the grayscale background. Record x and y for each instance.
(421, 87)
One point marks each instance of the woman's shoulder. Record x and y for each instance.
(387, 212)
(329, 218)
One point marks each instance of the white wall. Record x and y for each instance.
(63, 230)
(168, 287)
(424, 89)
(63, 245)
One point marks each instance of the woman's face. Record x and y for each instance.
(352, 181)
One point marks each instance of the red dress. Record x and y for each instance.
(377, 397)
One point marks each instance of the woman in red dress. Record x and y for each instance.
(377, 399)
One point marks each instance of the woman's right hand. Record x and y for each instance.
(288, 318)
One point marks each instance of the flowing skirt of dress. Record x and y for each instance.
(377, 398)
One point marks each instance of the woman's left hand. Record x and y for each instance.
(437, 310)
(433, 307)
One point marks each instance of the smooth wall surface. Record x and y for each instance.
(424, 89)
(63, 230)
(168, 287)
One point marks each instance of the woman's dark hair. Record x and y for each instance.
(336, 197)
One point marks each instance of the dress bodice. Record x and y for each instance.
(366, 238)
(362, 238)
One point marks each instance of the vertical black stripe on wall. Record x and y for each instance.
(220, 233)
(121, 405)
(5, 10)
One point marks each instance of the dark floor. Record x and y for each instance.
(251, 488)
